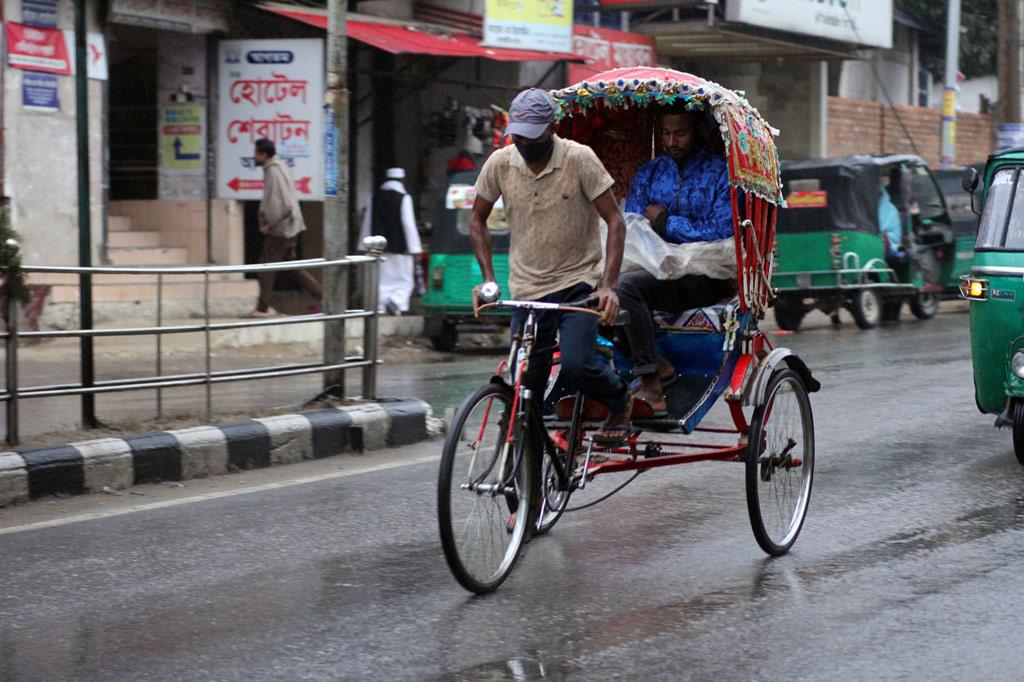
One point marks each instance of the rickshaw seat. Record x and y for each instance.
(709, 319)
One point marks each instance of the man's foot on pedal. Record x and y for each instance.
(616, 430)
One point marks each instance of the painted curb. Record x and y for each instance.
(116, 463)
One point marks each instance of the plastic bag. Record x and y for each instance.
(645, 250)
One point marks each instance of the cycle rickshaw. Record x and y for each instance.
(507, 451)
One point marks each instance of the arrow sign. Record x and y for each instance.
(240, 185)
(183, 157)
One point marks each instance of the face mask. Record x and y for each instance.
(535, 152)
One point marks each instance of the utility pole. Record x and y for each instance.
(336, 199)
(84, 215)
(1008, 65)
(949, 95)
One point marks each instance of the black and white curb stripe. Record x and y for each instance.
(117, 463)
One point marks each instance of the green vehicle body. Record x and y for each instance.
(833, 256)
(997, 314)
(452, 270)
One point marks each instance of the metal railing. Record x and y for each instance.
(13, 392)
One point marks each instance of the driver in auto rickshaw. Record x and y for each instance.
(684, 193)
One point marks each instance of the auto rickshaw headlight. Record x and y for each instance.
(1017, 363)
(974, 289)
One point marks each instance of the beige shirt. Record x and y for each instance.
(279, 210)
(555, 238)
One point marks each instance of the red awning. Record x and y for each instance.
(408, 39)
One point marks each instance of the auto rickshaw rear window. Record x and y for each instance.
(992, 230)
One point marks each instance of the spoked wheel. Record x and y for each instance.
(1017, 411)
(553, 501)
(780, 463)
(484, 481)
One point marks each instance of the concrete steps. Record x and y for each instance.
(146, 292)
(148, 256)
(133, 239)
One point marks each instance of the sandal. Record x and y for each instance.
(624, 428)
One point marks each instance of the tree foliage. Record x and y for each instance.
(977, 34)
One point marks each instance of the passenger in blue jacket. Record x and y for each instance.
(685, 195)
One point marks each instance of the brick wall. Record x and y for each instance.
(864, 127)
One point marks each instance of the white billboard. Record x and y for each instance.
(865, 22)
(272, 89)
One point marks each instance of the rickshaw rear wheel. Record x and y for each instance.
(866, 308)
(1018, 430)
(780, 462)
(789, 313)
(924, 306)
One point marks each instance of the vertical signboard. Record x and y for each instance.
(864, 22)
(181, 137)
(39, 92)
(270, 89)
(529, 24)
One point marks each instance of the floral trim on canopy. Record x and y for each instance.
(749, 141)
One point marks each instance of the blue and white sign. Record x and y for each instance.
(39, 13)
(1009, 136)
(330, 154)
(39, 91)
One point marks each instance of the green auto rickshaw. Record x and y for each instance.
(832, 252)
(995, 289)
(452, 270)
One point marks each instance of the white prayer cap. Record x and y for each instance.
(396, 174)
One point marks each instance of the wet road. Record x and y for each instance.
(908, 566)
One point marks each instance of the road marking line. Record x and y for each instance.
(92, 516)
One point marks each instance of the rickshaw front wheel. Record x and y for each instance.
(1018, 429)
(866, 308)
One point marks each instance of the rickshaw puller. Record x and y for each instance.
(685, 195)
(553, 191)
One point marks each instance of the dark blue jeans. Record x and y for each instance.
(577, 341)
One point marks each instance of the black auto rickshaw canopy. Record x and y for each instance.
(841, 193)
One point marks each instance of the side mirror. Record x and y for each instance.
(969, 180)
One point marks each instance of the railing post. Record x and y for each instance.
(375, 246)
(206, 343)
(11, 361)
(159, 342)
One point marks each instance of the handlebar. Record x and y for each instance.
(584, 306)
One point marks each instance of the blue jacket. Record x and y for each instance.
(699, 205)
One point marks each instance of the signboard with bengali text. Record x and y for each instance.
(864, 22)
(544, 25)
(270, 89)
(606, 49)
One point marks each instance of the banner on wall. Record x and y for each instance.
(270, 89)
(865, 22)
(544, 25)
(37, 49)
(39, 13)
(606, 49)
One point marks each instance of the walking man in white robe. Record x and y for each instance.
(390, 215)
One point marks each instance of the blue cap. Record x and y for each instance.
(531, 113)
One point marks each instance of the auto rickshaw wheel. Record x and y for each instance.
(445, 340)
(1018, 430)
(924, 306)
(866, 308)
(789, 313)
